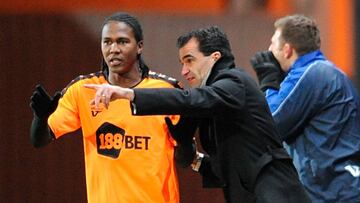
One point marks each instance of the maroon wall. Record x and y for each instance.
(50, 50)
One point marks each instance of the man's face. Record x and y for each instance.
(195, 65)
(119, 47)
(277, 47)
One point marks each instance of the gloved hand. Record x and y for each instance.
(183, 131)
(268, 70)
(183, 134)
(42, 103)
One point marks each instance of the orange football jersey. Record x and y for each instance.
(127, 158)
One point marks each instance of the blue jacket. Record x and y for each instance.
(317, 111)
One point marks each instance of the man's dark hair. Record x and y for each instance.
(133, 22)
(299, 31)
(210, 39)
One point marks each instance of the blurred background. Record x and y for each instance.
(52, 42)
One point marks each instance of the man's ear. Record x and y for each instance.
(216, 55)
(140, 46)
(288, 50)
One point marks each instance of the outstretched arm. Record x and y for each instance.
(226, 94)
(42, 105)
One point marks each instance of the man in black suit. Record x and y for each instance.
(244, 153)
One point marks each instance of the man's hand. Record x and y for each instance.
(106, 93)
(183, 134)
(42, 103)
(268, 70)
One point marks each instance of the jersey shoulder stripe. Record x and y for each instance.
(82, 77)
(168, 79)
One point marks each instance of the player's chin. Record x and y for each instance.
(193, 83)
(119, 69)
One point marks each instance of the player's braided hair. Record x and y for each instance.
(136, 27)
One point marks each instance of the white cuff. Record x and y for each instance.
(133, 105)
(197, 161)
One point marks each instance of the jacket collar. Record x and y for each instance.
(308, 58)
(220, 65)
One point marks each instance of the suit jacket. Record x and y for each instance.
(235, 125)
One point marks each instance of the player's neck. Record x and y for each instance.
(128, 80)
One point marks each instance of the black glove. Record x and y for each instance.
(42, 103)
(268, 70)
(183, 133)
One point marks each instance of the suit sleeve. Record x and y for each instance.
(225, 94)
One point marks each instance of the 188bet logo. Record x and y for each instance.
(110, 140)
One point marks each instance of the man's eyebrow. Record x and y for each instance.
(187, 56)
(118, 38)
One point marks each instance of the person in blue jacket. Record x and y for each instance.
(316, 109)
